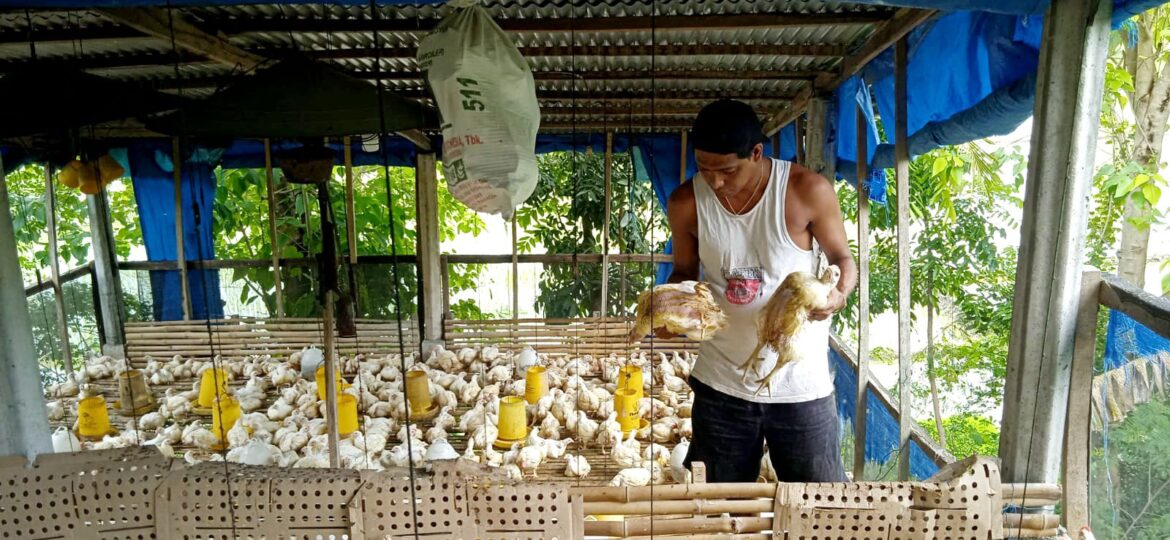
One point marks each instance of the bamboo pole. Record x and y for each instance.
(685, 506)
(330, 385)
(350, 225)
(902, 173)
(1031, 491)
(639, 526)
(180, 256)
(606, 223)
(55, 272)
(271, 185)
(1029, 521)
(862, 410)
(674, 492)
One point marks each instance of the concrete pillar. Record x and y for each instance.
(430, 272)
(1069, 85)
(24, 426)
(109, 286)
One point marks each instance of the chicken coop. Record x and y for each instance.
(350, 400)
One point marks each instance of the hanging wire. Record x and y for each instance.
(397, 286)
(653, 249)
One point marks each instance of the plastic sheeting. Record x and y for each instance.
(881, 422)
(1127, 339)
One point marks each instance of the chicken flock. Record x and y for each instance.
(283, 422)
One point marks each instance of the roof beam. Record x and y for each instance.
(722, 49)
(887, 34)
(168, 25)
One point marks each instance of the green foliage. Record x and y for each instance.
(967, 434)
(26, 192)
(565, 214)
(1130, 478)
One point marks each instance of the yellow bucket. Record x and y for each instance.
(625, 403)
(321, 382)
(207, 386)
(93, 418)
(224, 416)
(535, 384)
(347, 414)
(630, 376)
(418, 393)
(513, 422)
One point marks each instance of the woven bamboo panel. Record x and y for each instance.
(600, 336)
(247, 336)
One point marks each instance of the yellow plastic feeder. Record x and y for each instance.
(513, 422)
(630, 376)
(93, 418)
(321, 382)
(223, 418)
(134, 397)
(418, 394)
(212, 384)
(625, 403)
(535, 384)
(347, 414)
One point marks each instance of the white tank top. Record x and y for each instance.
(744, 258)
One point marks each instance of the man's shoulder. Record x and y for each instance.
(683, 196)
(806, 183)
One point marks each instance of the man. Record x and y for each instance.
(741, 225)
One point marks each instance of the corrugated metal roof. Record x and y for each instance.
(627, 62)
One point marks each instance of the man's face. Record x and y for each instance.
(729, 174)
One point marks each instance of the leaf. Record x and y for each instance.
(1151, 193)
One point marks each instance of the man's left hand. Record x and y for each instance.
(835, 303)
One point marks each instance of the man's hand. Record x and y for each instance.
(835, 303)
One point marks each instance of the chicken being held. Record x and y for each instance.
(685, 308)
(783, 317)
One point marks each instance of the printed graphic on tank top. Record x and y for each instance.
(744, 276)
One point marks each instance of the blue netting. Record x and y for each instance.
(1127, 339)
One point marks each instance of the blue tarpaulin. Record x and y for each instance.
(1127, 339)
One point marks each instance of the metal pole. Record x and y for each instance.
(859, 427)
(55, 273)
(271, 186)
(24, 427)
(180, 257)
(330, 381)
(1069, 86)
(902, 173)
(606, 223)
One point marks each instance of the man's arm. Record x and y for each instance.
(828, 229)
(684, 227)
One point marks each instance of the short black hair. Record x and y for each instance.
(727, 127)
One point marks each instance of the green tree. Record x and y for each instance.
(1130, 477)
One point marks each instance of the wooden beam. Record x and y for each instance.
(55, 273)
(350, 226)
(902, 175)
(274, 241)
(169, 25)
(608, 172)
(66, 277)
(417, 137)
(1078, 423)
(515, 270)
(1150, 311)
(801, 128)
(330, 384)
(523, 258)
(896, 28)
(427, 222)
(180, 256)
(859, 418)
(662, 49)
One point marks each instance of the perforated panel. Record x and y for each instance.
(193, 503)
(36, 504)
(311, 503)
(115, 501)
(529, 511)
(439, 508)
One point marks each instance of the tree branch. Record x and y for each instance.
(1149, 501)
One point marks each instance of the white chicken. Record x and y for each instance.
(678, 469)
(530, 458)
(631, 477)
(576, 466)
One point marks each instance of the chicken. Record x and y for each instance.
(685, 308)
(576, 467)
(678, 467)
(55, 410)
(530, 457)
(783, 317)
(631, 477)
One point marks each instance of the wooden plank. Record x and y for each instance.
(800, 131)
(515, 270)
(66, 277)
(172, 27)
(1151, 311)
(55, 271)
(180, 256)
(427, 222)
(608, 173)
(1078, 422)
(274, 241)
(859, 423)
(902, 175)
(330, 376)
(350, 225)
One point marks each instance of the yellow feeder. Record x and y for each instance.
(625, 403)
(214, 383)
(418, 394)
(347, 414)
(630, 376)
(93, 418)
(223, 418)
(134, 396)
(321, 382)
(535, 384)
(513, 422)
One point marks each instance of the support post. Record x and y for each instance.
(24, 427)
(1078, 426)
(330, 381)
(350, 226)
(902, 174)
(180, 256)
(859, 416)
(682, 165)
(606, 223)
(55, 272)
(515, 271)
(800, 129)
(430, 272)
(271, 189)
(814, 144)
(776, 145)
(106, 278)
(1069, 85)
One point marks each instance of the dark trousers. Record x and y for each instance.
(803, 438)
